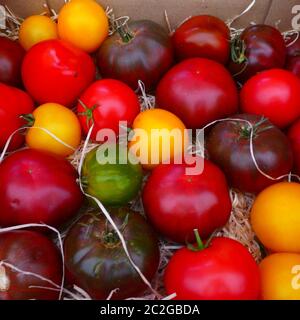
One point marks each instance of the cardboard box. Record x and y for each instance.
(273, 12)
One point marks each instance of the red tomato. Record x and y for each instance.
(11, 57)
(225, 270)
(177, 203)
(274, 94)
(204, 37)
(293, 54)
(258, 48)
(55, 71)
(105, 103)
(37, 187)
(32, 252)
(228, 146)
(13, 103)
(294, 137)
(198, 91)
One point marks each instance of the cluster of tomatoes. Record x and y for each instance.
(51, 98)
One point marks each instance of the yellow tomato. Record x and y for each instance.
(84, 24)
(280, 277)
(154, 139)
(35, 29)
(61, 122)
(275, 217)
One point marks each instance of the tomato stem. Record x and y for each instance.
(200, 246)
(238, 50)
(29, 118)
(124, 32)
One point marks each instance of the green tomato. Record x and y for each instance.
(114, 184)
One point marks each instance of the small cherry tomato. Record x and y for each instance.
(35, 29)
(83, 23)
(222, 270)
(280, 277)
(163, 122)
(274, 94)
(61, 122)
(275, 217)
(57, 72)
(204, 37)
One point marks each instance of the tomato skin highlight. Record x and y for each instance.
(225, 270)
(32, 252)
(98, 266)
(204, 37)
(176, 203)
(198, 91)
(37, 187)
(274, 94)
(228, 146)
(54, 71)
(146, 56)
(110, 102)
(13, 103)
(264, 49)
(11, 58)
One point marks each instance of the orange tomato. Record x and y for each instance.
(275, 217)
(61, 122)
(35, 29)
(83, 23)
(154, 139)
(280, 277)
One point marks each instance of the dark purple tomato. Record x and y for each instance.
(96, 260)
(228, 146)
(142, 50)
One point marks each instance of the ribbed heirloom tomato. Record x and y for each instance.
(198, 91)
(13, 103)
(222, 270)
(55, 71)
(96, 260)
(176, 202)
(33, 253)
(37, 187)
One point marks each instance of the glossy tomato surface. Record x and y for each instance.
(30, 252)
(274, 94)
(204, 37)
(176, 203)
(104, 104)
(228, 146)
(110, 178)
(13, 103)
(96, 260)
(258, 48)
(225, 270)
(141, 51)
(198, 91)
(37, 187)
(11, 57)
(55, 71)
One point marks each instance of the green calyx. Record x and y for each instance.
(124, 31)
(88, 113)
(238, 51)
(199, 246)
(110, 236)
(29, 118)
(246, 130)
